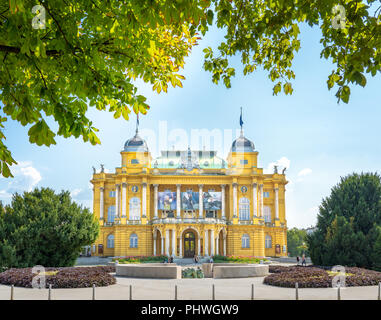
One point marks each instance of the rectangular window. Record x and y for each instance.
(266, 194)
(112, 194)
(134, 161)
(245, 161)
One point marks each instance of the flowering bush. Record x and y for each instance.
(317, 277)
(140, 259)
(68, 277)
(237, 259)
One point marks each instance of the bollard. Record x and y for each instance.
(130, 291)
(296, 291)
(93, 291)
(175, 292)
(338, 292)
(12, 289)
(213, 293)
(50, 292)
(252, 291)
(379, 291)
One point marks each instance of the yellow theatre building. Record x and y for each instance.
(187, 203)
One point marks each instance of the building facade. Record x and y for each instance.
(188, 203)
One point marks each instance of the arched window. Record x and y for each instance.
(244, 209)
(135, 208)
(267, 213)
(268, 241)
(110, 241)
(111, 214)
(133, 240)
(245, 241)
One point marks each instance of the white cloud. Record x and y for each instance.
(26, 177)
(75, 192)
(281, 163)
(304, 172)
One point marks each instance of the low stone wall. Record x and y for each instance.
(231, 270)
(151, 270)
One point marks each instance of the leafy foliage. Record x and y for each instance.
(348, 220)
(296, 239)
(44, 228)
(89, 53)
(72, 277)
(316, 277)
(192, 273)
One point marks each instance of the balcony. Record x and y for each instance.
(187, 220)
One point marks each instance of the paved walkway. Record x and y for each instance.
(191, 289)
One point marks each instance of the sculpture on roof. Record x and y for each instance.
(276, 169)
(102, 168)
(284, 170)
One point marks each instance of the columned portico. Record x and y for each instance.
(206, 250)
(235, 201)
(255, 200)
(101, 203)
(223, 201)
(124, 199)
(212, 242)
(181, 246)
(155, 188)
(144, 200)
(276, 203)
(162, 245)
(167, 242)
(173, 243)
(217, 243)
(117, 192)
(200, 202)
(178, 200)
(154, 242)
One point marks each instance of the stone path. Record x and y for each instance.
(191, 289)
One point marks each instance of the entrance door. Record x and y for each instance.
(189, 245)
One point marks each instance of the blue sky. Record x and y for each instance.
(309, 132)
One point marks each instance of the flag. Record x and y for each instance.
(240, 119)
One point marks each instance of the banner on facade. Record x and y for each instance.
(189, 200)
(167, 200)
(212, 200)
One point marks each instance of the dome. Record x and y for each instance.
(136, 144)
(242, 144)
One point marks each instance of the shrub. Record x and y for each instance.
(69, 277)
(318, 277)
(140, 259)
(192, 273)
(237, 259)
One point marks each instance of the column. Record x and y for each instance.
(167, 242)
(101, 202)
(173, 242)
(223, 201)
(235, 202)
(276, 203)
(117, 214)
(200, 201)
(261, 199)
(217, 243)
(224, 245)
(255, 199)
(162, 244)
(212, 241)
(124, 199)
(154, 243)
(155, 187)
(198, 245)
(181, 247)
(178, 201)
(144, 200)
(206, 249)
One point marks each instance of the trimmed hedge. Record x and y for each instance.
(237, 259)
(67, 277)
(141, 259)
(317, 277)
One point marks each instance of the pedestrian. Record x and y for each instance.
(297, 260)
(304, 260)
(211, 260)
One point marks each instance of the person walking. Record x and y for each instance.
(297, 260)
(304, 260)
